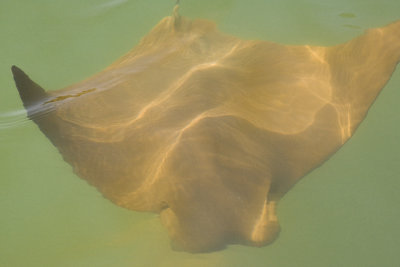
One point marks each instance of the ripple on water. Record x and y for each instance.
(13, 119)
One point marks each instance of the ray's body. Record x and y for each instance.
(209, 130)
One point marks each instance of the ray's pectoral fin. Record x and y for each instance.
(29, 91)
(34, 98)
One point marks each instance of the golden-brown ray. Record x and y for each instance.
(210, 130)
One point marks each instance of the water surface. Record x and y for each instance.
(345, 213)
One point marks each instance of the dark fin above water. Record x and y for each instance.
(29, 91)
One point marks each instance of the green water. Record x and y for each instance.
(344, 213)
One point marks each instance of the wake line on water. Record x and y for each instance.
(13, 119)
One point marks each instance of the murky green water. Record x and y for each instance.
(345, 213)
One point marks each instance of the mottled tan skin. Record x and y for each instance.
(209, 130)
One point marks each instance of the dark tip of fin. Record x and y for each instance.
(29, 91)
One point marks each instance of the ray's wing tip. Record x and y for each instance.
(15, 70)
(29, 91)
(19, 75)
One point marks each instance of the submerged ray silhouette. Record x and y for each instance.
(209, 130)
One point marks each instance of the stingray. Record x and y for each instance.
(208, 130)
